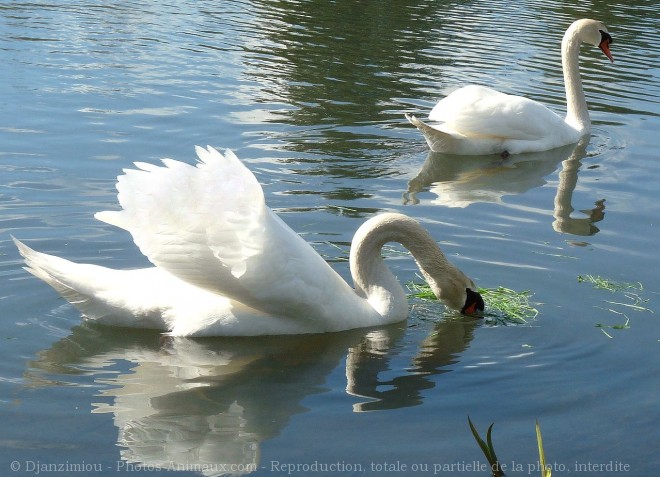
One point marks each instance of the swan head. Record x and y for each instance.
(473, 302)
(376, 282)
(594, 33)
(454, 288)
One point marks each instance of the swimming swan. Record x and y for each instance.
(225, 264)
(478, 120)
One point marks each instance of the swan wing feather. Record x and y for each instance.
(208, 225)
(480, 112)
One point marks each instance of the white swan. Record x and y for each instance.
(477, 120)
(225, 264)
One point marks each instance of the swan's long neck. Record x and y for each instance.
(577, 113)
(374, 281)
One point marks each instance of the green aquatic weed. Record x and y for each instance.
(605, 284)
(632, 299)
(503, 305)
(508, 305)
(488, 449)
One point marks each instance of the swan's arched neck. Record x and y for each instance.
(375, 282)
(577, 112)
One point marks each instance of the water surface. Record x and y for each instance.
(311, 96)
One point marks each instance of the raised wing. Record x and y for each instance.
(209, 226)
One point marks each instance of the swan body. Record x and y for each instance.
(477, 120)
(225, 264)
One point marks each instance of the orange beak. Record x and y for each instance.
(605, 47)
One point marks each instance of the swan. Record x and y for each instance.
(477, 120)
(226, 265)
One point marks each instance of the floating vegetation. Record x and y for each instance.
(503, 305)
(421, 291)
(632, 299)
(343, 251)
(623, 326)
(508, 306)
(610, 285)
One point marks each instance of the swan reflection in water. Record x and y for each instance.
(209, 403)
(459, 181)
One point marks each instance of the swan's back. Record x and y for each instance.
(484, 113)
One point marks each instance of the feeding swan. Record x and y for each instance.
(225, 264)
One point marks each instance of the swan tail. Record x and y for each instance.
(89, 289)
(438, 141)
(52, 270)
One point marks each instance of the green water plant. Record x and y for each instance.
(631, 299)
(507, 305)
(488, 449)
(546, 471)
(496, 468)
(619, 326)
(503, 305)
(606, 284)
